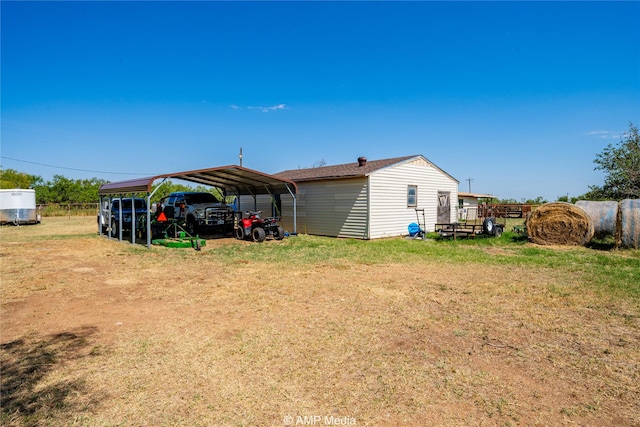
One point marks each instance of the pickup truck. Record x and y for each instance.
(114, 209)
(201, 212)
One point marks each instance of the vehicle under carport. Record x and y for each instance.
(231, 180)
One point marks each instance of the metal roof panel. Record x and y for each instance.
(235, 179)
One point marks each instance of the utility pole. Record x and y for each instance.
(240, 156)
(470, 180)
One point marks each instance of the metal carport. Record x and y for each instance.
(236, 180)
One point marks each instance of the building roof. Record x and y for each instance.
(348, 170)
(235, 179)
(475, 195)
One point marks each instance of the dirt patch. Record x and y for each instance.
(109, 333)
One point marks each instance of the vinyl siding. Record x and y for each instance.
(368, 207)
(389, 214)
(262, 203)
(336, 208)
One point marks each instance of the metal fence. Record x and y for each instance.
(506, 210)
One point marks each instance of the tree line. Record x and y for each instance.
(619, 161)
(59, 190)
(63, 190)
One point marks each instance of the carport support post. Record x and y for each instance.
(120, 217)
(255, 199)
(110, 230)
(149, 195)
(273, 202)
(295, 211)
(100, 217)
(148, 220)
(133, 219)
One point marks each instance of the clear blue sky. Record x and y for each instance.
(517, 96)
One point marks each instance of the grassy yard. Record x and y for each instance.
(315, 331)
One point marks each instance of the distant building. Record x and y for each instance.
(468, 204)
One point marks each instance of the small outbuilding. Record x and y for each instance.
(368, 199)
(469, 205)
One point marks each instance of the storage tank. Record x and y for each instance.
(18, 206)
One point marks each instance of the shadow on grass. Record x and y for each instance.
(601, 244)
(519, 237)
(607, 243)
(26, 397)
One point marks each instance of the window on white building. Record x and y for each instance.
(412, 196)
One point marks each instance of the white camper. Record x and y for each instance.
(18, 206)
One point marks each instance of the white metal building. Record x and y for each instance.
(468, 205)
(367, 199)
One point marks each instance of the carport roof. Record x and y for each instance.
(235, 179)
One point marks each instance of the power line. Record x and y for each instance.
(75, 169)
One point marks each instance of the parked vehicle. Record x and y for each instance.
(253, 226)
(200, 212)
(109, 216)
(18, 206)
(488, 227)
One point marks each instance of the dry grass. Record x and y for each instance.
(560, 223)
(102, 333)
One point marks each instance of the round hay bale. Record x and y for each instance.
(559, 223)
(630, 223)
(605, 217)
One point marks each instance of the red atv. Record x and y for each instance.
(253, 226)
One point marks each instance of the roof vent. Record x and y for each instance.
(362, 161)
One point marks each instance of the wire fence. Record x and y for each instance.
(68, 209)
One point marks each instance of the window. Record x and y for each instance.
(412, 196)
(195, 198)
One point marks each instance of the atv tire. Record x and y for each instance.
(238, 232)
(278, 233)
(258, 234)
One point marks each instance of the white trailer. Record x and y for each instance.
(18, 206)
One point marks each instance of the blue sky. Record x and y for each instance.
(517, 96)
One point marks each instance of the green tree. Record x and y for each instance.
(507, 201)
(87, 190)
(621, 165)
(11, 178)
(169, 187)
(537, 201)
(64, 190)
